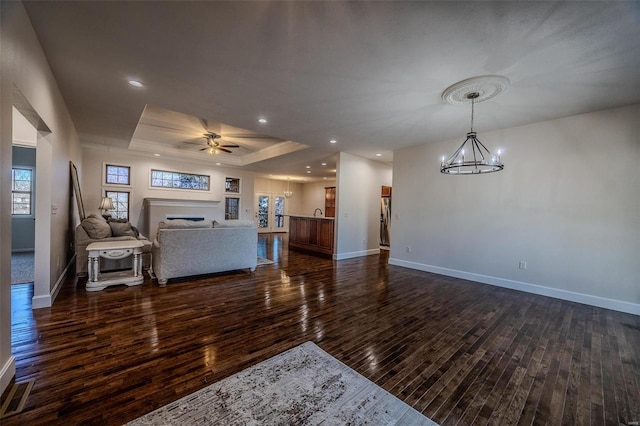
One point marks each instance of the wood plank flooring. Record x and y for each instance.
(459, 352)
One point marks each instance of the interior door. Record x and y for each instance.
(270, 213)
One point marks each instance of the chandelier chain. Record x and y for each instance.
(473, 101)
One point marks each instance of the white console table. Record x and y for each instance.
(114, 250)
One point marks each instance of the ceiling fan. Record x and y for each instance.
(214, 143)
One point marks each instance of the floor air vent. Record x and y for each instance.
(16, 399)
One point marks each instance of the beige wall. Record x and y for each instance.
(27, 83)
(313, 196)
(567, 203)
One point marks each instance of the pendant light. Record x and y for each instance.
(473, 157)
(288, 193)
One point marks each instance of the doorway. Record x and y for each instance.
(385, 217)
(23, 199)
(26, 118)
(270, 210)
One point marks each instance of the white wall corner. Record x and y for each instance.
(38, 302)
(586, 299)
(7, 373)
(46, 301)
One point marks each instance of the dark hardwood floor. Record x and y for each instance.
(460, 352)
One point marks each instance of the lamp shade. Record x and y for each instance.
(106, 204)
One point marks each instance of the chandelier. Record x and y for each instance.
(473, 157)
(288, 193)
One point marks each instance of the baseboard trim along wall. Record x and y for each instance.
(601, 302)
(7, 373)
(46, 301)
(350, 255)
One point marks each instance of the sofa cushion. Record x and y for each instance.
(119, 229)
(96, 227)
(184, 224)
(233, 224)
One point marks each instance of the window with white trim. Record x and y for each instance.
(117, 175)
(21, 191)
(231, 208)
(177, 180)
(120, 202)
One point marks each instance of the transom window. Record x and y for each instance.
(120, 202)
(117, 175)
(232, 185)
(177, 180)
(21, 191)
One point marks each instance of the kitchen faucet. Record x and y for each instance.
(314, 212)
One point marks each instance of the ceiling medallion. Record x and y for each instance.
(478, 157)
(486, 86)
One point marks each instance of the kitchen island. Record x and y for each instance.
(310, 233)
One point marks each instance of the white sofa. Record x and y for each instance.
(183, 248)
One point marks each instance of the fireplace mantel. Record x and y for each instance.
(157, 209)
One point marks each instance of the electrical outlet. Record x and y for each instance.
(408, 249)
(522, 265)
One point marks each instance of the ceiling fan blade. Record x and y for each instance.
(202, 149)
(230, 146)
(204, 124)
(223, 149)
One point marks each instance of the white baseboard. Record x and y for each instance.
(47, 300)
(587, 299)
(7, 373)
(350, 255)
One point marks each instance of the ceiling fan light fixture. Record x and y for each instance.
(473, 157)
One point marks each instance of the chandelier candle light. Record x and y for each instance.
(478, 157)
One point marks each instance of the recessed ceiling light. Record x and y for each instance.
(324, 164)
(308, 167)
(217, 164)
(325, 178)
(135, 83)
(333, 141)
(262, 120)
(156, 155)
(378, 155)
(308, 171)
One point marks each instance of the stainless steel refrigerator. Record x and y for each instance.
(385, 220)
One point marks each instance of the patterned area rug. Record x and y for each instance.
(302, 386)
(22, 267)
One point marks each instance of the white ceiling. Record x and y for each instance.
(368, 74)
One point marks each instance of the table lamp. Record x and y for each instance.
(106, 204)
